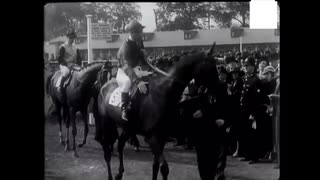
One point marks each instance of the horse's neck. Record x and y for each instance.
(88, 74)
(169, 88)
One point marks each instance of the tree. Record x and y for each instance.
(224, 13)
(60, 16)
(118, 14)
(179, 16)
(123, 13)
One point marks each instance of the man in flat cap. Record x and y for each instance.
(130, 55)
(69, 56)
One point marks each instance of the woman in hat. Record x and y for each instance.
(269, 76)
(69, 56)
(262, 64)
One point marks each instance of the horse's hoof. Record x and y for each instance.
(118, 177)
(75, 155)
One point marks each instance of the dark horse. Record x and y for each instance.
(152, 114)
(78, 94)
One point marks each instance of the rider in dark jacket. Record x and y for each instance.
(130, 55)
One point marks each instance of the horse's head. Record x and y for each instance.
(102, 76)
(205, 72)
(200, 66)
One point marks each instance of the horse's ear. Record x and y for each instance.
(211, 49)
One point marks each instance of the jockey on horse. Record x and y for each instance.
(130, 56)
(69, 56)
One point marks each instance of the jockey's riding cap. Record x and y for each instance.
(133, 26)
(71, 33)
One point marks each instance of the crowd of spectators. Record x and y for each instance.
(231, 70)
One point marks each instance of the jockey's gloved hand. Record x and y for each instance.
(254, 125)
(197, 114)
(220, 122)
(202, 90)
(142, 87)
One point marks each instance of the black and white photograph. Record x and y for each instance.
(161, 90)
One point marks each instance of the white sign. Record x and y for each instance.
(101, 31)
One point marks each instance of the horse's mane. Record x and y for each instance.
(88, 65)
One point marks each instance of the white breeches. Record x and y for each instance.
(64, 70)
(123, 80)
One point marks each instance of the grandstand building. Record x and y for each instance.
(175, 41)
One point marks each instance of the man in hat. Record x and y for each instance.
(235, 108)
(252, 101)
(69, 56)
(130, 55)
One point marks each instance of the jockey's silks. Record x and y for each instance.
(70, 54)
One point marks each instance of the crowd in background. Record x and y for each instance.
(230, 66)
(263, 142)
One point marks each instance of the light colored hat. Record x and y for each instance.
(268, 69)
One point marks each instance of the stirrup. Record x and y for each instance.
(124, 114)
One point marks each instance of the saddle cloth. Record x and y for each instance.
(115, 98)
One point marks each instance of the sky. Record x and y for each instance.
(148, 20)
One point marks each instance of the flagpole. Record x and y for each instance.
(89, 47)
(241, 44)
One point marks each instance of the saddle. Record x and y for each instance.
(69, 77)
(115, 98)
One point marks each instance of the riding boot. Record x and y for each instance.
(125, 102)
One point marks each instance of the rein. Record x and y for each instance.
(77, 68)
(164, 74)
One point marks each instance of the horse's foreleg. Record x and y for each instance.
(60, 125)
(158, 158)
(86, 127)
(107, 158)
(164, 167)
(136, 143)
(121, 143)
(68, 119)
(74, 131)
